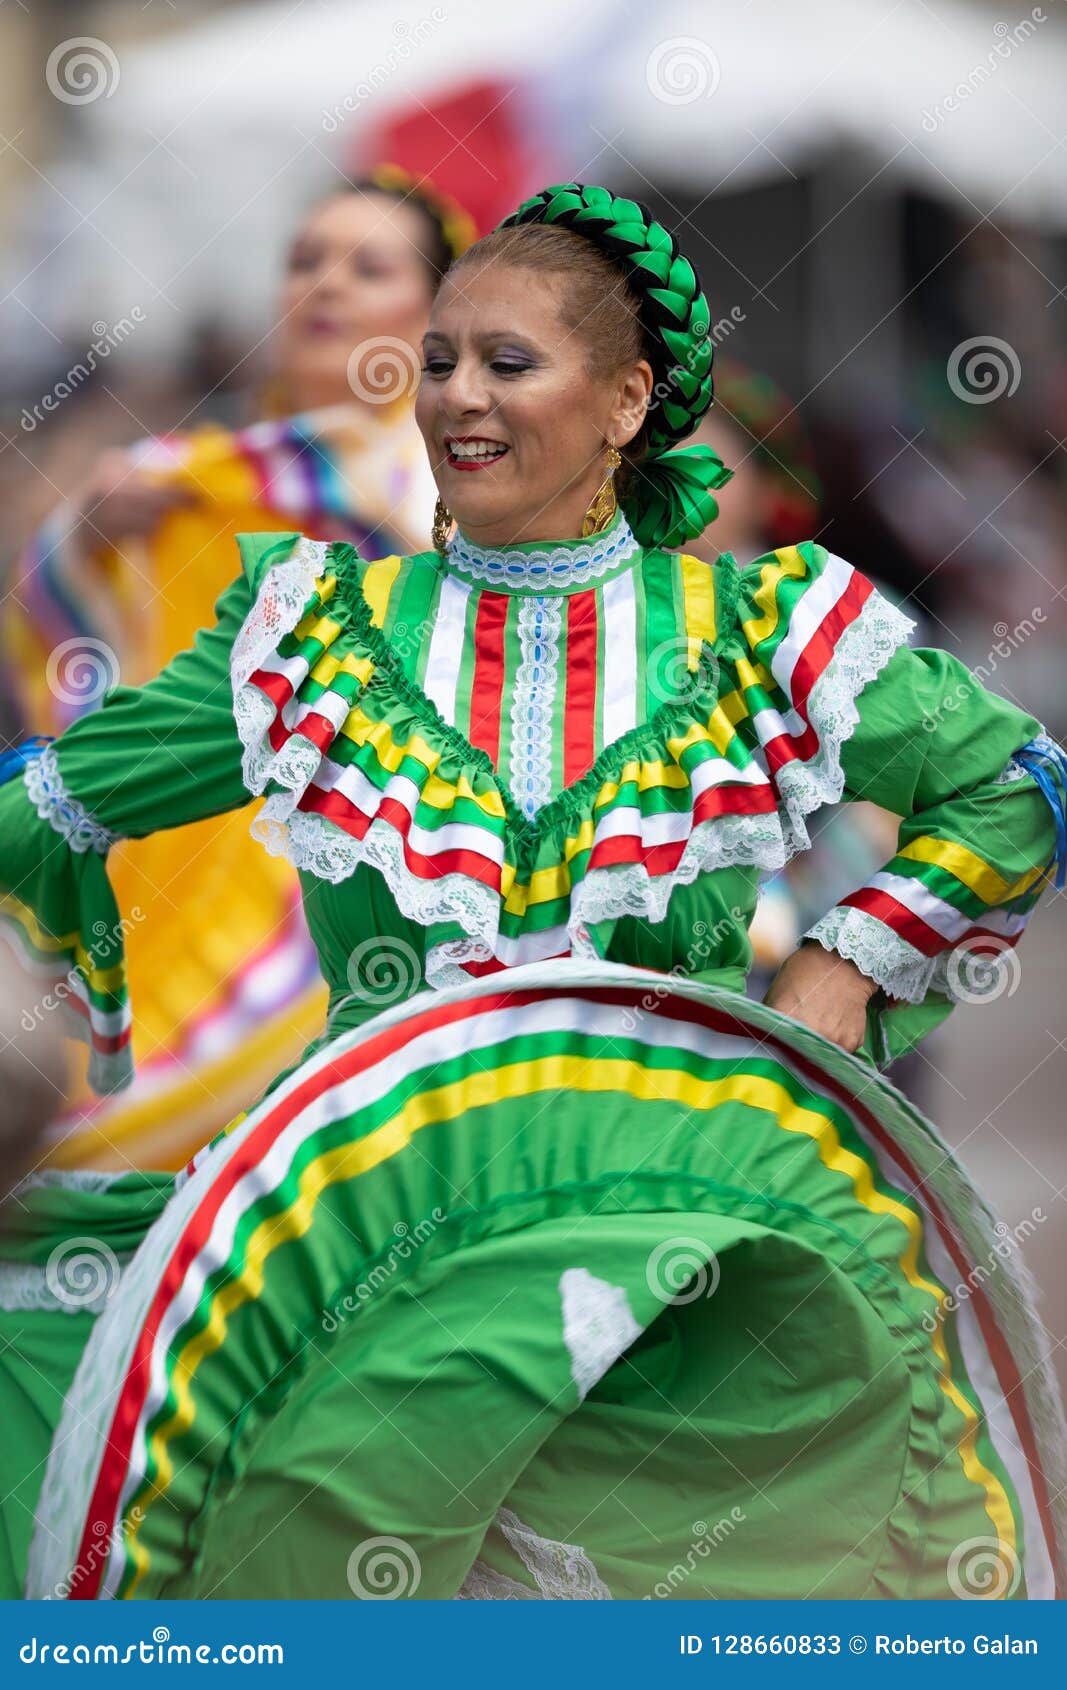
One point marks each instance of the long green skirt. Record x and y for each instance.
(583, 1283)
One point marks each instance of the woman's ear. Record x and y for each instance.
(632, 401)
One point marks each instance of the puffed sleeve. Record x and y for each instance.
(151, 757)
(980, 789)
(836, 704)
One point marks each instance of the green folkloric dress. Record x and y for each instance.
(556, 1268)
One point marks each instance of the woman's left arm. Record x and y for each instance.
(982, 791)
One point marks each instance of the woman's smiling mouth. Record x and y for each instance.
(473, 451)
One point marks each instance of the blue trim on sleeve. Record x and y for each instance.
(1046, 762)
(15, 758)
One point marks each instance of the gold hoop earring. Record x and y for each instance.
(603, 505)
(443, 522)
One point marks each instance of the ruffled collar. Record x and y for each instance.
(358, 766)
(546, 566)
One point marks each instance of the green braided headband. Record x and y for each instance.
(670, 494)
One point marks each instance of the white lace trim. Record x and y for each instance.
(598, 1325)
(540, 624)
(317, 845)
(605, 894)
(311, 842)
(1014, 770)
(764, 842)
(74, 1459)
(562, 1572)
(862, 652)
(562, 564)
(902, 971)
(26, 1286)
(54, 804)
(67, 1179)
(278, 608)
(880, 953)
(484, 1584)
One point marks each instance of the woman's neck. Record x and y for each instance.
(523, 541)
(560, 522)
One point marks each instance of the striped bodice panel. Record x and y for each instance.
(542, 682)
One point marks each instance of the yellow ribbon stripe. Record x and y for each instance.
(698, 604)
(377, 583)
(789, 565)
(105, 980)
(556, 1072)
(328, 667)
(972, 871)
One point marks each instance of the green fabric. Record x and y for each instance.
(116, 1210)
(37, 1361)
(151, 757)
(440, 1276)
(923, 772)
(594, 1182)
(45, 1223)
(941, 778)
(169, 753)
(655, 657)
(928, 745)
(666, 1450)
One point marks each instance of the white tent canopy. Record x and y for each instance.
(961, 102)
(186, 180)
(976, 102)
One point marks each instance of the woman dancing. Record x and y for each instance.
(558, 1268)
(122, 575)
